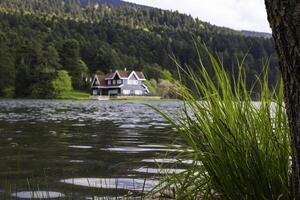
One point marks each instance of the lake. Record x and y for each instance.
(83, 149)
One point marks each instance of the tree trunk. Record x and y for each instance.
(284, 19)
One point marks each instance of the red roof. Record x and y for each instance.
(123, 75)
(140, 75)
(101, 79)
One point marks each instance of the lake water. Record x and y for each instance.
(83, 149)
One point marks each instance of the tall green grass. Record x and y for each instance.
(243, 146)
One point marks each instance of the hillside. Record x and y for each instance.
(111, 2)
(40, 37)
(257, 34)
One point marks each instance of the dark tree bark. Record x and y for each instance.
(284, 19)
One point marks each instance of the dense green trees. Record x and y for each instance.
(41, 37)
(7, 69)
(71, 61)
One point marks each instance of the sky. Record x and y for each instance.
(237, 14)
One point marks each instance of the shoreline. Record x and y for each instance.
(84, 96)
(90, 99)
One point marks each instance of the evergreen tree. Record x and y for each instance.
(7, 69)
(71, 61)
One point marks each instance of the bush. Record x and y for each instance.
(164, 88)
(243, 147)
(166, 74)
(62, 83)
(167, 89)
(9, 92)
(152, 86)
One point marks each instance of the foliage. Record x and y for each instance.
(166, 89)
(71, 61)
(7, 69)
(163, 88)
(152, 71)
(152, 86)
(61, 84)
(78, 37)
(240, 148)
(166, 74)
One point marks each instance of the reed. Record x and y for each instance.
(243, 146)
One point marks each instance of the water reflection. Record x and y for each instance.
(48, 141)
(138, 149)
(37, 195)
(114, 183)
(80, 147)
(171, 161)
(158, 170)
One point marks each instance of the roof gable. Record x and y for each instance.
(121, 75)
(125, 75)
(100, 80)
(95, 82)
(133, 76)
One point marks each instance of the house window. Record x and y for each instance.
(133, 82)
(138, 92)
(112, 92)
(119, 82)
(109, 82)
(114, 82)
(126, 92)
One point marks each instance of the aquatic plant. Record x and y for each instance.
(243, 146)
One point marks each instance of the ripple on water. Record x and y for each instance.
(76, 161)
(133, 126)
(159, 127)
(170, 160)
(137, 150)
(130, 141)
(107, 124)
(158, 171)
(78, 125)
(160, 146)
(37, 195)
(80, 147)
(160, 160)
(152, 146)
(113, 183)
(55, 111)
(159, 124)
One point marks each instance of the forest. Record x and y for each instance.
(45, 44)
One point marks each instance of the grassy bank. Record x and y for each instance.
(74, 95)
